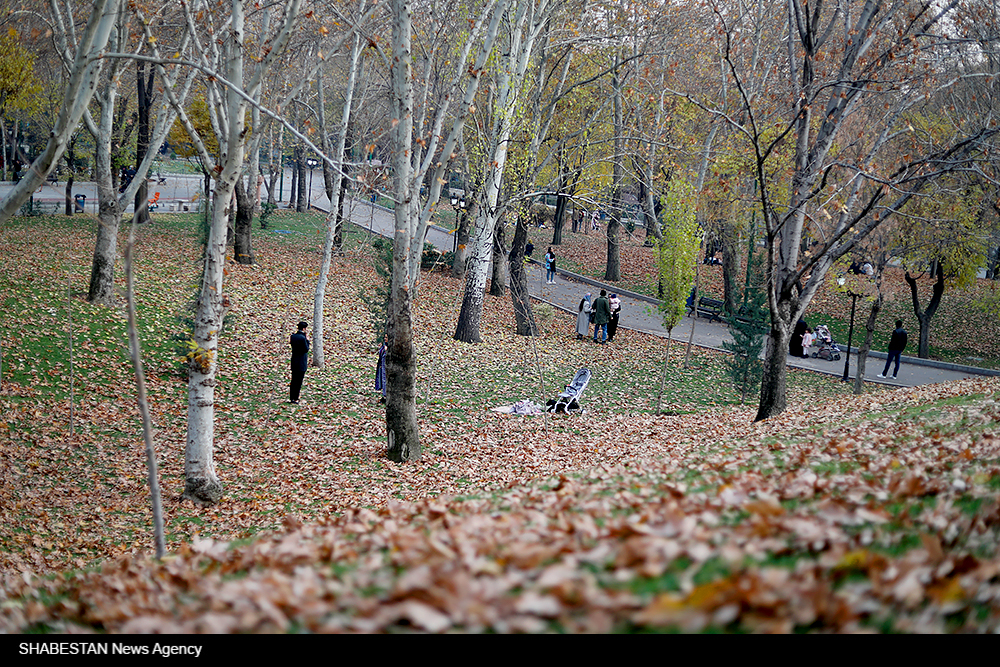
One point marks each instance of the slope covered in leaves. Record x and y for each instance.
(845, 513)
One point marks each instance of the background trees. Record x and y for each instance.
(812, 123)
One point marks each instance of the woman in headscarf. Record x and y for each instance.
(583, 317)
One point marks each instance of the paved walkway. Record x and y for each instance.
(639, 313)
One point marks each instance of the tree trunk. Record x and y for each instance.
(144, 102)
(731, 268)
(773, 385)
(613, 271)
(557, 224)
(302, 201)
(70, 204)
(402, 431)
(242, 227)
(925, 316)
(508, 89)
(462, 242)
(523, 315)
(334, 240)
(498, 281)
(866, 344)
(467, 328)
(109, 214)
(293, 188)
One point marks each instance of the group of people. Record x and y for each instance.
(803, 338)
(603, 314)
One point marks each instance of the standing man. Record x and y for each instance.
(300, 359)
(897, 343)
(602, 315)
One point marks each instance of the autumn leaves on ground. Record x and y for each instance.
(845, 513)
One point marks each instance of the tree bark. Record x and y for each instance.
(498, 281)
(524, 318)
(109, 214)
(774, 381)
(243, 225)
(144, 102)
(402, 431)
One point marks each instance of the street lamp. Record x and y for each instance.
(850, 329)
(312, 163)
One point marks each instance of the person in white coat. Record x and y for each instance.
(583, 317)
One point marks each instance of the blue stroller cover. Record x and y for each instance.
(569, 399)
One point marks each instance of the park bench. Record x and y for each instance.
(710, 308)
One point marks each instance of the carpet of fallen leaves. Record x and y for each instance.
(843, 514)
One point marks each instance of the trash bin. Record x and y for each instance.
(81, 203)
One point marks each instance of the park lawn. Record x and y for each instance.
(844, 513)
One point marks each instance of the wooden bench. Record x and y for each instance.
(710, 308)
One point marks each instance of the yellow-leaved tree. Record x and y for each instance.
(676, 254)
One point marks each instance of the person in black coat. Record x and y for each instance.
(795, 342)
(300, 360)
(897, 343)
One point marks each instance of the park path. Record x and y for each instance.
(639, 313)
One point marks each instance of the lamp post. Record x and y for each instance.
(850, 329)
(312, 163)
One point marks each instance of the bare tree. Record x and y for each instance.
(412, 158)
(855, 70)
(528, 19)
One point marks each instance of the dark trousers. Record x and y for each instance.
(893, 354)
(297, 376)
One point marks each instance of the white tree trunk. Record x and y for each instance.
(525, 28)
(331, 218)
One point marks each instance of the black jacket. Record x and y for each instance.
(898, 341)
(300, 351)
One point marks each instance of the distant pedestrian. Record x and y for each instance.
(300, 360)
(616, 308)
(529, 248)
(380, 383)
(550, 267)
(897, 343)
(602, 314)
(583, 317)
(593, 221)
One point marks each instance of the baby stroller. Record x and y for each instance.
(823, 345)
(569, 399)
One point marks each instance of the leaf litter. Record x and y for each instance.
(876, 513)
